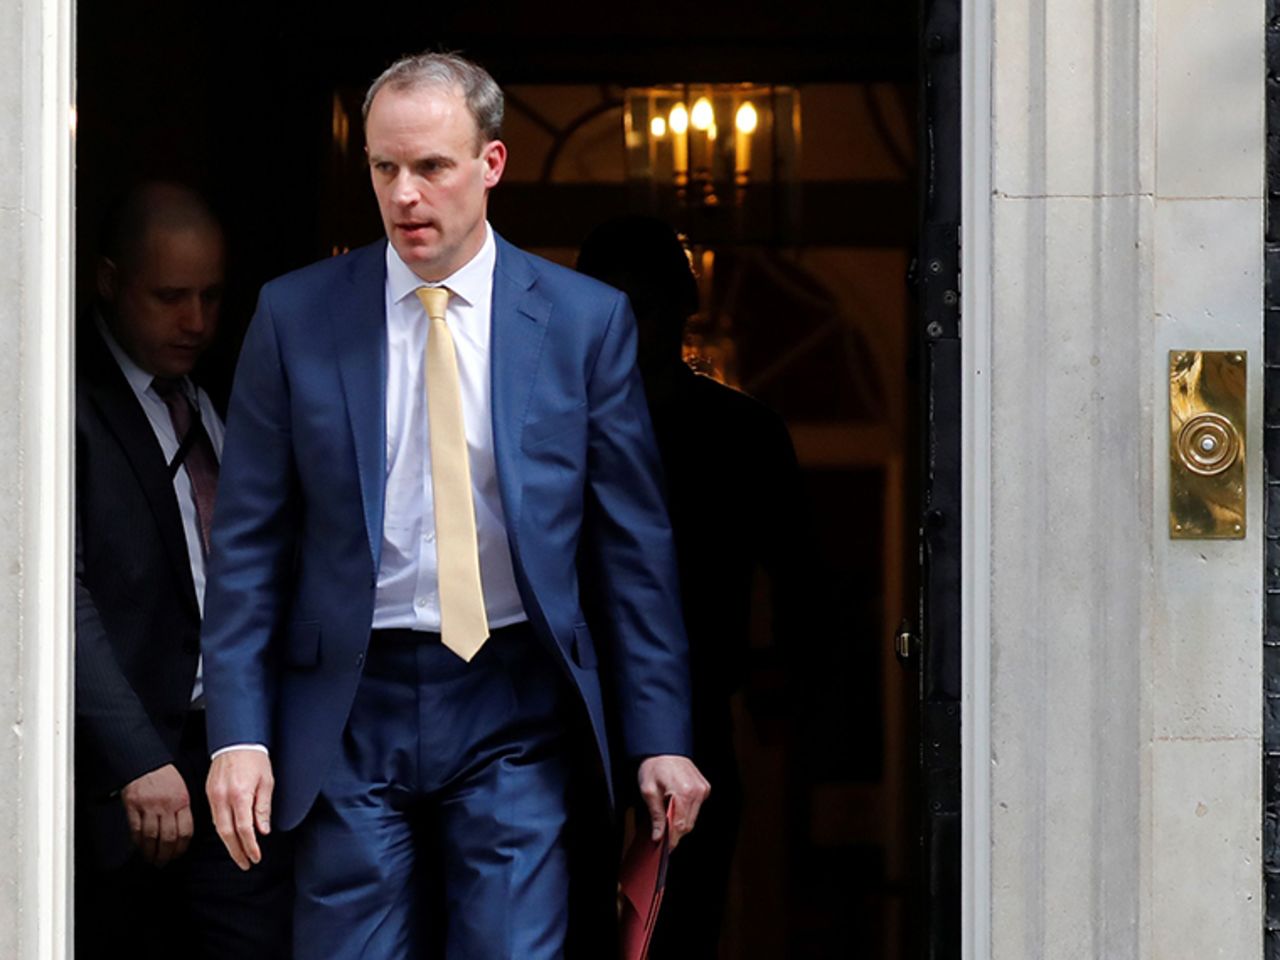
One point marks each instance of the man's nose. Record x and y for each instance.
(403, 192)
(198, 315)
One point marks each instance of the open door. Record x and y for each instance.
(804, 309)
(937, 651)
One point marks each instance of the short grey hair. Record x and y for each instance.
(481, 92)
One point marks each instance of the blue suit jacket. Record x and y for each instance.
(298, 525)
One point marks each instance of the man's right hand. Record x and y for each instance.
(159, 811)
(239, 787)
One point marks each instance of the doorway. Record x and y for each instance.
(811, 313)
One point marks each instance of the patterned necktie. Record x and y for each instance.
(464, 625)
(194, 452)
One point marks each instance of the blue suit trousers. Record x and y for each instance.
(440, 829)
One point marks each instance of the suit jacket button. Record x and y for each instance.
(359, 659)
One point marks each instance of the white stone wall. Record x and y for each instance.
(11, 847)
(1125, 668)
(35, 555)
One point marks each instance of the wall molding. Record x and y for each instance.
(976, 277)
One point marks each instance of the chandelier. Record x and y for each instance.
(708, 146)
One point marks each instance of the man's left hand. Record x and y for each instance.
(675, 777)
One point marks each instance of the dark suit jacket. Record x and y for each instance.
(298, 530)
(737, 504)
(137, 621)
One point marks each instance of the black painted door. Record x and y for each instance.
(938, 649)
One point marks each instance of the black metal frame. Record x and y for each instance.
(938, 284)
(1271, 508)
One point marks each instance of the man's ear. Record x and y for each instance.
(108, 273)
(494, 155)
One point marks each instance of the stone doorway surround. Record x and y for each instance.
(36, 555)
(977, 277)
(1113, 739)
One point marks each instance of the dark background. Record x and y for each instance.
(236, 100)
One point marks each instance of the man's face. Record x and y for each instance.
(163, 309)
(431, 175)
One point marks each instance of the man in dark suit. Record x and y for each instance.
(152, 878)
(738, 506)
(422, 435)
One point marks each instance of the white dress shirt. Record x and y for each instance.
(407, 596)
(153, 406)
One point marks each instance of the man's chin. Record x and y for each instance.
(174, 368)
(410, 250)
(422, 258)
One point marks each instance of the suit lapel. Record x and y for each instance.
(115, 401)
(358, 320)
(519, 324)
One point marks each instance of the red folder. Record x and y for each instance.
(644, 875)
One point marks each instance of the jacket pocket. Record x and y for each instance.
(584, 648)
(302, 646)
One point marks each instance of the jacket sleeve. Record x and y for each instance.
(109, 715)
(633, 553)
(252, 544)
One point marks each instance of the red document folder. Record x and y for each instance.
(644, 875)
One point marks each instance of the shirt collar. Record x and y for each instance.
(469, 282)
(139, 379)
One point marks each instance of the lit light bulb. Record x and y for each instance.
(678, 119)
(703, 115)
(745, 121)
(658, 127)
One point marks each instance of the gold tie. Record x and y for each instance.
(464, 626)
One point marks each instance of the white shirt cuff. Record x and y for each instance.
(260, 747)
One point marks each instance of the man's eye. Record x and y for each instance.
(169, 296)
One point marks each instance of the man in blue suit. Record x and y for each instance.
(424, 437)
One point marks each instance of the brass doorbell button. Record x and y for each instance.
(1207, 399)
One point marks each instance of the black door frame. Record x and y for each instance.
(938, 348)
(1271, 507)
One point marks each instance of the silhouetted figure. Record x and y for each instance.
(152, 878)
(736, 504)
